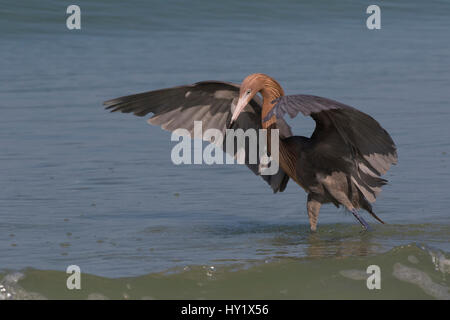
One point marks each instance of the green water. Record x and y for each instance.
(407, 272)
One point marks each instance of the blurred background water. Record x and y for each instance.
(79, 185)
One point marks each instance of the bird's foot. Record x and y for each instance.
(361, 220)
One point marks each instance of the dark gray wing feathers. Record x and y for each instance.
(372, 148)
(208, 101)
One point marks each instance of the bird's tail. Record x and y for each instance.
(368, 207)
(376, 217)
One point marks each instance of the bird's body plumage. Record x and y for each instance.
(341, 163)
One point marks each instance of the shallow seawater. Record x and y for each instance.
(81, 186)
(408, 272)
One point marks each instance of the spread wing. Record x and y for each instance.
(371, 147)
(211, 102)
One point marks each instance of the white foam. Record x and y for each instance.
(354, 274)
(422, 280)
(11, 290)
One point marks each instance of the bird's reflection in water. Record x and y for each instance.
(329, 241)
(321, 244)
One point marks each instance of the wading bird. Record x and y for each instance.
(341, 163)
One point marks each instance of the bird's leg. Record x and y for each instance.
(313, 207)
(361, 220)
(336, 191)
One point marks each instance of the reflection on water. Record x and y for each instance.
(354, 243)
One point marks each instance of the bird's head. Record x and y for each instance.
(252, 84)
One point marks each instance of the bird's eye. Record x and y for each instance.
(248, 91)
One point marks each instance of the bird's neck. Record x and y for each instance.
(271, 91)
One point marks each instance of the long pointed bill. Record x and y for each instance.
(239, 107)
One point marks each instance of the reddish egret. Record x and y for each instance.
(341, 163)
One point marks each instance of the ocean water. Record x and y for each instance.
(81, 186)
